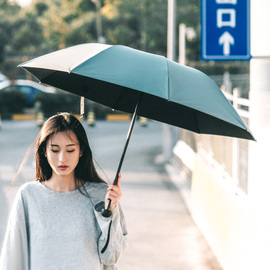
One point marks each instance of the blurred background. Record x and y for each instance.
(225, 182)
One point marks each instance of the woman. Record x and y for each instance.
(56, 221)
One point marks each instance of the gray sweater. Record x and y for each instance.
(56, 231)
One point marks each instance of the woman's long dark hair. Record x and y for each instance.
(64, 122)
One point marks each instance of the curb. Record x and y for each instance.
(118, 117)
(23, 117)
(180, 185)
(177, 180)
(27, 117)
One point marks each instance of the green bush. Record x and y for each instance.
(12, 102)
(51, 104)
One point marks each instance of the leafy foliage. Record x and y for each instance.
(51, 104)
(60, 102)
(54, 24)
(7, 21)
(12, 102)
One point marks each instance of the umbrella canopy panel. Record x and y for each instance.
(117, 76)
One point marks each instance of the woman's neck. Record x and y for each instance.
(61, 183)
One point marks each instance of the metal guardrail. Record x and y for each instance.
(240, 147)
(230, 153)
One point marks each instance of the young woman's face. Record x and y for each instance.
(63, 153)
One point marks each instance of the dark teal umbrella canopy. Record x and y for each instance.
(117, 76)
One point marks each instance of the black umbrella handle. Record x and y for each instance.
(106, 212)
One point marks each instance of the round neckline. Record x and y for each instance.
(85, 185)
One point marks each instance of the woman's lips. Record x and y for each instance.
(62, 167)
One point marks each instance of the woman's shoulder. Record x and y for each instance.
(31, 184)
(97, 185)
(30, 187)
(98, 188)
(25, 191)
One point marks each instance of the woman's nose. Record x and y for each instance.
(62, 156)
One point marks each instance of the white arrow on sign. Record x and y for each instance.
(226, 40)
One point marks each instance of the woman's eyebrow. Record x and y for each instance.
(56, 145)
(73, 144)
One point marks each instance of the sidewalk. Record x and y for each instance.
(162, 234)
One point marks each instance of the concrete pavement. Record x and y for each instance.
(162, 234)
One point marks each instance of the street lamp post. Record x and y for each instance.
(184, 32)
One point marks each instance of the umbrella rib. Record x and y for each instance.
(118, 98)
(51, 74)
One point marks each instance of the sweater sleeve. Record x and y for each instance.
(14, 255)
(115, 228)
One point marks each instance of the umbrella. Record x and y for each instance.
(143, 84)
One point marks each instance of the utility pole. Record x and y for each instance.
(182, 44)
(184, 33)
(171, 29)
(168, 132)
(100, 37)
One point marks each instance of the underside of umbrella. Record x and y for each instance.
(125, 99)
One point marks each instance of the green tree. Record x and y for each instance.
(140, 24)
(28, 35)
(64, 22)
(46, 26)
(7, 10)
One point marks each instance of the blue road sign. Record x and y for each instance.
(225, 29)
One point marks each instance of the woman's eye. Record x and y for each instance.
(54, 151)
(70, 151)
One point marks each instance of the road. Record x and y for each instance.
(162, 234)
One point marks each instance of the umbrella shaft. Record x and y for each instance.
(107, 211)
(126, 144)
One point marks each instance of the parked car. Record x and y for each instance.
(3, 77)
(30, 88)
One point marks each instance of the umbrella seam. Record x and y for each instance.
(55, 71)
(78, 65)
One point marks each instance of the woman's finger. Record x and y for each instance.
(119, 181)
(114, 193)
(115, 189)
